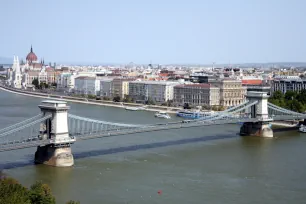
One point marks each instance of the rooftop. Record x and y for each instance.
(195, 85)
(156, 82)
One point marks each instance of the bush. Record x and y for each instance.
(117, 99)
(106, 98)
(90, 96)
(128, 99)
(73, 202)
(11, 192)
(35, 83)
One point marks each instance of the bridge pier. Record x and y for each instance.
(55, 130)
(54, 156)
(260, 129)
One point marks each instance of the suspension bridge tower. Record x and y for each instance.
(259, 111)
(55, 130)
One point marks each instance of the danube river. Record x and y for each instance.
(201, 165)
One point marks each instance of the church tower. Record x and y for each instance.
(16, 73)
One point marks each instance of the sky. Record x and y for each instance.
(155, 31)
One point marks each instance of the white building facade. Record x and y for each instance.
(87, 85)
(106, 87)
(65, 81)
(158, 91)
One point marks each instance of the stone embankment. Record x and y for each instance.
(87, 101)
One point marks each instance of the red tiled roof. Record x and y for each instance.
(251, 81)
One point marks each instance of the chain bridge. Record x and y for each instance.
(54, 130)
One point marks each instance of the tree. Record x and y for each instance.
(221, 108)
(91, 96)
(278, 95)
(186, 106)
(43, 85)
(73, 202)
(41, 194)
(35, 83)
(106, 98)
(150, 101)
(206, 107)
(117, 99)
(169, 103)
(290, 95)
(11, 192)
(302, 96)
(292, 100)
(128, 99)
(295, 105)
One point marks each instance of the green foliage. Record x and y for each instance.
(106, 98)
(11, 192)
(73, 202)
(290, 95)
(41, 194)
(117, 99)
(90, 96)
(278, 95)
(218, 108)
(150, 101)
(206, 107)
(186, 106)
(35, 83)
(43, 85)
(292, 100)
(302, 96)
(169, 103)
(128, 99)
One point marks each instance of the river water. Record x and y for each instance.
(199, 165)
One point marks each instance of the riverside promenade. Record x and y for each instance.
(152, 108)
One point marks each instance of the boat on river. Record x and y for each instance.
(131, 108)
(193, 114)
(135, 108)
(162, 114)
(302, 128)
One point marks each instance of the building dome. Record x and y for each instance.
(31, 57)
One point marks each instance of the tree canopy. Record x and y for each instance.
(12, 192)
(292, 100)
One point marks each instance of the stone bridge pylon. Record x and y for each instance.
(262, 126)
(55, 130)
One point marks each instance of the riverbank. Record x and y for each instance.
(171, 110)
(284, 124)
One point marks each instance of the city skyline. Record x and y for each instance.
(200, 32)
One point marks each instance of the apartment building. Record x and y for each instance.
(106, 87)
(232, 92)
(196, 94)
(287, 83)
(121, 87)
(158, 91)
(65, 81)
(87, 85)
